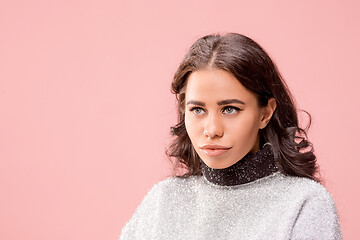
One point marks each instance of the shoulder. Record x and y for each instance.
(159, 199)
(169, 184)
(307, 193)
(171, 181)
(302, 186)
(317, 214)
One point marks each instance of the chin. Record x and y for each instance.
(217, 164)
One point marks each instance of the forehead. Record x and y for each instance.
(214, 84)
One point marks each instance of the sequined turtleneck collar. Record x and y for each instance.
(250, 168)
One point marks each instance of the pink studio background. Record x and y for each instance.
(86, 105)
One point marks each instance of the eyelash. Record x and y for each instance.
(235, 108)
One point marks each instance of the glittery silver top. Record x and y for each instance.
(270, 207)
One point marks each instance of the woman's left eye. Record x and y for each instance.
(230, 110)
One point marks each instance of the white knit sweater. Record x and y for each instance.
(272, 207)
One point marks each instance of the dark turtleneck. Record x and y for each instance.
(250, 168)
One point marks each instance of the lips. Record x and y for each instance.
(214, 150)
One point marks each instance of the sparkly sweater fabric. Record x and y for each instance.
(270, 207)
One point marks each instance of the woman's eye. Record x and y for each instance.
(197, 111)
(230, 110)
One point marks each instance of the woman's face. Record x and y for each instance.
(222, 117)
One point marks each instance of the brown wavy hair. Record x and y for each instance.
(252, 66)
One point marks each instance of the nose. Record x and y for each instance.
(213, 127)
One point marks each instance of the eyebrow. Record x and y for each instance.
(223, 102)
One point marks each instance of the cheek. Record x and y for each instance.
(193, 128)
(189, 126)
(245, 127)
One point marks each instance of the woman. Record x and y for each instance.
(249, 168)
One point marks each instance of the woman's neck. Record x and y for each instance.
(253, 166)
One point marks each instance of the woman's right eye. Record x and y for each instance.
(197, 110)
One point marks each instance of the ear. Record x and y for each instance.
(267, 113)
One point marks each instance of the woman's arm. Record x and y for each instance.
(318, 218)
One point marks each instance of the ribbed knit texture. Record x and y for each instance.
(272, 207)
